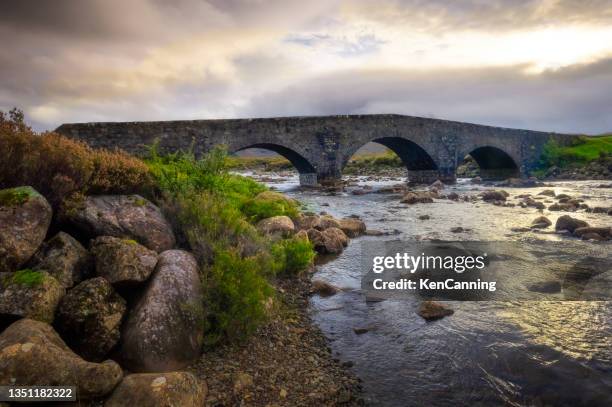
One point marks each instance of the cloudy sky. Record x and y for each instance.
(538, 64)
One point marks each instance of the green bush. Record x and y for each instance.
(212, 212)
(292, 256)
(237, 295)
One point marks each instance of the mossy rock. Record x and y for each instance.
(17, 196)
(25, 216)
(30, 294)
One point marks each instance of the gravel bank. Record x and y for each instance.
(287, 362)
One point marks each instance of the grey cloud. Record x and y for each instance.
(575, 99)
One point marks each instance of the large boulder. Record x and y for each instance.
(158, 389)
(326, 222)
(25, 216)
(29, 294)
(570, 224)
(276, 226)
(336, 235)
(125, 216)
(33, 354)
(164, 330)
(64, 258)
(305, 222)
(123, 262)
(329, 241)
(89, 318)
(352, 227)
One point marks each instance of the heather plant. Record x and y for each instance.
(61, 168)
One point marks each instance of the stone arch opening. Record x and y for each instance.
(307, 172)
(420, 166)
(493, 163)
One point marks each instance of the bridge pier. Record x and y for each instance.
(308, 179)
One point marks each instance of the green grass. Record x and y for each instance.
(582, 151)
(265, 163)
(214, 213)
(387, 159)
(15, 196)
(28, 278)
(292, 256)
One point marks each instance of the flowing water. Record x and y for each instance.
(536, 353)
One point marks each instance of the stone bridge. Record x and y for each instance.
(320, 147)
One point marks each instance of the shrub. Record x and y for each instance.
(269, 204)
(212, 212)
(59, 167)
(237, 294)
(292, 256)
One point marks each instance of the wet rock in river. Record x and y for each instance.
(424, 217)
(323, 288)
(412, 198)
(546, 287)
(548, 192)
(326, 222)
(570, 224)
(25, 216)
(603, 232)
(494, 196)
(334, 238)
(432, 310)
(541, 222)
(352, 227)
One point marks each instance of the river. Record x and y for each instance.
(518, 353)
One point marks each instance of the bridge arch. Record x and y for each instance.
(421, 166)
(495, 163)
(307, 172)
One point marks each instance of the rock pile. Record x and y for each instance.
(57, 294)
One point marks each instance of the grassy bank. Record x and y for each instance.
(592, 156)
(270, 164)
(582, 151)
(213, 213)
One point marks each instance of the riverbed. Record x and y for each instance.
(488, 352)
